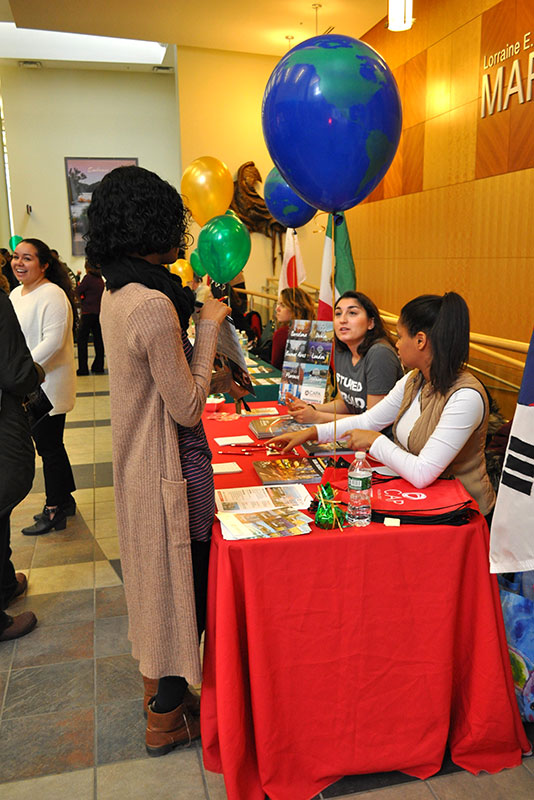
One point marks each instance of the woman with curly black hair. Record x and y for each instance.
(161, 460)
(45, 305)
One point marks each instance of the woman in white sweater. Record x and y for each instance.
(45, 307)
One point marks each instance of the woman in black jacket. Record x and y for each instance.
(19, 375)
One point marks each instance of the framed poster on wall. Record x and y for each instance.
(83, 176)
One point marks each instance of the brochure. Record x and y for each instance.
(264, 524)
(267, 428)
(262, 498)
(290, 470)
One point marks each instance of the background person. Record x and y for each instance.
(89, 290)
(18, 377)
(439, 410)
(45, 305)
(366, 364)
(293, 303)
(162, 463)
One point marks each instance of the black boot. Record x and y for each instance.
(69, 507)
(44, 524)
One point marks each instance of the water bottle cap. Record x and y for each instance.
(360, 454)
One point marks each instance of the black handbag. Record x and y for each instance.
(37, 406)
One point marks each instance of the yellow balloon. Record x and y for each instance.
(183, 268)
(207, 188)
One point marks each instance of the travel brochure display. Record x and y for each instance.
(307, 360)
(267, 428)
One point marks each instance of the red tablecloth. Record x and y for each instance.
(345, 652)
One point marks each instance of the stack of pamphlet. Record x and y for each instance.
(267, 428)
(326, 448)
(279, 471)
(264, 524)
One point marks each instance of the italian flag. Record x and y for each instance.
(345, 274)
(292, 272)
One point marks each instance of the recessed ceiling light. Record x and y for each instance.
(26, 43)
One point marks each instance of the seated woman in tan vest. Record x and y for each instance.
(438, 409)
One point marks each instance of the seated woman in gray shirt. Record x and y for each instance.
(365, 362)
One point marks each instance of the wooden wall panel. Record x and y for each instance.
(413, 152)
(463, 218)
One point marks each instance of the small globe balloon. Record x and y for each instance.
(224, 247)
(14, 241)
(332, 120)
(285, 206)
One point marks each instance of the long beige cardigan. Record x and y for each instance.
(152, 388)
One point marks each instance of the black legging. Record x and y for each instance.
(171, 688)
(58, 477)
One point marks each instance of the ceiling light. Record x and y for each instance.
(400, 15)
(24, 43)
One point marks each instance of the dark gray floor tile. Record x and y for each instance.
(118, 678)
(77, 530)
(120, 731)
(59, 608)
(51, 553)
(111, 602)
(54, 687)
(116, 564)
(89, 423)
(111, 637)
(3, 684)
(93, 394)
(6, 654)
(54, 644)
(352, 784)
(46, 744)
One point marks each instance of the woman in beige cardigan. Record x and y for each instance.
(161, 460)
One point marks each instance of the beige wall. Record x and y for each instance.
(53, 113)
(220, 96)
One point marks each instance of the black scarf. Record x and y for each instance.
(130, 269)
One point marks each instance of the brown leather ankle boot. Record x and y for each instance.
(164, 732)
(191, 701)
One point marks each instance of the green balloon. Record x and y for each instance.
(196, 263)
(224, 247)
(14, 241)
(230, 213)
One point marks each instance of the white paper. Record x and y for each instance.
(225, 440)
(226, 468)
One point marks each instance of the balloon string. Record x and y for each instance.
(333, 281)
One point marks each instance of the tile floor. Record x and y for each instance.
(70, 692)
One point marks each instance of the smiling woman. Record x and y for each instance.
(45, 305)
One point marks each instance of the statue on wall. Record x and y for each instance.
(251, 209)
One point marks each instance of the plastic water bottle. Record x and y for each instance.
(360, 473)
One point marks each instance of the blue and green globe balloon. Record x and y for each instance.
(285, 206)
(332, 120)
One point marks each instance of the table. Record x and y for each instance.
(345, 652)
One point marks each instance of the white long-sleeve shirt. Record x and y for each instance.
(45, 316)
(462, 414)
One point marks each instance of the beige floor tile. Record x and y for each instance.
(79, 784)
(175, 777)
(67, 577)
(104, 528)
(105, 510)
(110, 547)
(215, 784)
(105, 575)
(104, 493)
(510, 784)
